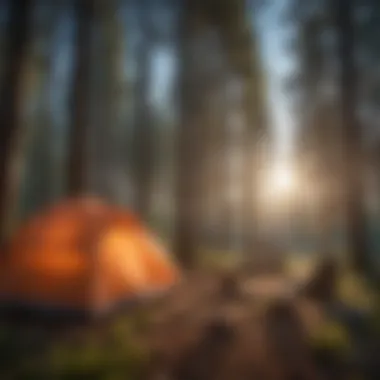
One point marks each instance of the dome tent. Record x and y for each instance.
(82, 257)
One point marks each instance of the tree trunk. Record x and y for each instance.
(189, 155)
(246, 60)
(40, 179)
(143, 160)
(10, 98)
(250, 184)
(80, 98)
(103, 142)
(240, 45)
(355, 208)
(215, 140)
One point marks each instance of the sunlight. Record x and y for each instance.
(281, 182)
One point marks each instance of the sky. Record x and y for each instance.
(278, 63)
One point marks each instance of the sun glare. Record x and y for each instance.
(283, 179)
(281, 182)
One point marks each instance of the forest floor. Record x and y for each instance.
(222, 325)
(233, 326)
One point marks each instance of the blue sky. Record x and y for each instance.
(277, 61)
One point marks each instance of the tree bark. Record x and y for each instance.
(244, 57)
(143, 160)
(10, 97)
(80, 98)
(355, 208)
(39, 181)
(189, 155)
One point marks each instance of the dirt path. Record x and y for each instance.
(227, 327)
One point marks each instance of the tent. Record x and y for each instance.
(82, 256)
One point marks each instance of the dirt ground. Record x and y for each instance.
(215, 325)
(228, 326)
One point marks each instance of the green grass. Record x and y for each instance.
(356, 292)
(116, 353)
(119, 359)
(331, 336)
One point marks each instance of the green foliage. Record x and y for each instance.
(332, 336)
(95, 360)
(356, 292)
(105, 355)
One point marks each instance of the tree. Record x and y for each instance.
(242, 52)
(10, 100)
(217, 216)
(314, 85)
(228, 20)
(143, 140)
(194, 21)
(38, 179)
(367, 50)
(105, 140)
(187, 210)
(357, 234)
(84, 13)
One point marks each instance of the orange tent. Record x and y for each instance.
(83, 255)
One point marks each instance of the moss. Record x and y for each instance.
(115, 355)
(333, 337)
(355, 291)
(112, 354)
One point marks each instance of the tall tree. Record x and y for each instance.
(319, 90)
(80, 99)
(38, 182)
(242, 50)
(319, 148)
(193, 21)
(357, 234)
(320, 145)
(10, 98)
(105, 91)
(229, 20)
(217, 213)
(368, 53)
(143, 140)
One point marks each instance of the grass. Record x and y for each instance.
(355, 291)
(331, 336)
(116, 353)
(120, 359)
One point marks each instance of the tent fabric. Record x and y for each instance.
(83, 255)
